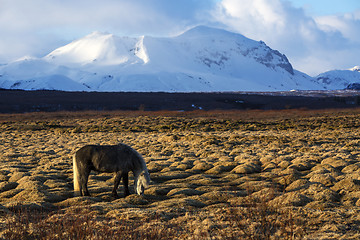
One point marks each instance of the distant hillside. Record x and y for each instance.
(16, 101)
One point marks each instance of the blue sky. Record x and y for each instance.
(316, 35)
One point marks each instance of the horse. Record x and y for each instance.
(119, 159)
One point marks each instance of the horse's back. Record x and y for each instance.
(104, 158)
(85, 152)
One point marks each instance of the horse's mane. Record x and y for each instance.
(138, 160)
(142, 161)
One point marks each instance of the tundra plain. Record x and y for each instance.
(287, 174)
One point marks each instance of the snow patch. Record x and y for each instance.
(339, 79)
(201, 59)
(355, 69)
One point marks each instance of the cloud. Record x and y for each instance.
(38, 26)
(126, 16)
(312, 44)
(348, 24)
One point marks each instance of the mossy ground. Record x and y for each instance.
(216, 175)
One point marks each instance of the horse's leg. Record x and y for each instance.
(125, 176)
(116, 184)
(83, 182)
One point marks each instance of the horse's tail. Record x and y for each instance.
(76, 177)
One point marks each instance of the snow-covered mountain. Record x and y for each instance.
(340, 79)
(201, 59)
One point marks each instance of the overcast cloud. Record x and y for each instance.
(313, 44)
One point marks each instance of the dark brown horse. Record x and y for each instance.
(120, 159)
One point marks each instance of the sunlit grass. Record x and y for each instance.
(287, 174)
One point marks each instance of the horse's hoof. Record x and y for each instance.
(114, 195)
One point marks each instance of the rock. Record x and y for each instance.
(353, 86)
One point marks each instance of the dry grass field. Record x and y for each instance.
(287, 174)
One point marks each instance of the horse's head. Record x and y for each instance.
(142, 182)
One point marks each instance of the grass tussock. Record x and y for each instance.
(291, 174)
(25, 224)
(253, 218)
(257, 218)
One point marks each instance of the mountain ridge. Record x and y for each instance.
(202, 59)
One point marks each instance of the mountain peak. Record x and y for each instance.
(235, 42)
(206, 31)
(96, 48)
(355, 69)
(98, 34)
(200, 59)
